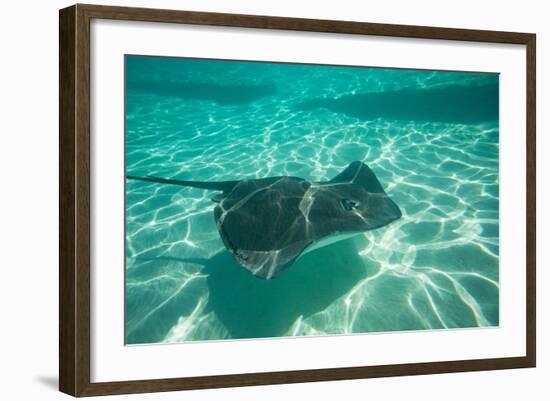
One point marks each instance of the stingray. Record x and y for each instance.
(268, 223)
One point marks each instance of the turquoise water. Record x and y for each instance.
(430, 137)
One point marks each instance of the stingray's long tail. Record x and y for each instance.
(224, 186)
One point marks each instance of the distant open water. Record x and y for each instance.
(430, 137)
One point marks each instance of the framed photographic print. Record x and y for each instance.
(251, 200)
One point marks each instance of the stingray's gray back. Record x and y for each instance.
(267, 223)
(260, 221)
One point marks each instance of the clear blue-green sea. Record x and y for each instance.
(431, 138)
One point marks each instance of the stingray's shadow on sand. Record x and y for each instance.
(250, 307)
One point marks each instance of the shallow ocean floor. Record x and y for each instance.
(430, 137)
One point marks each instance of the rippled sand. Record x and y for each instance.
(437, 267)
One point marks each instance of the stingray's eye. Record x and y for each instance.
(348, 204)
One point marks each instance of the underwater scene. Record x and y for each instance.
(275, 199)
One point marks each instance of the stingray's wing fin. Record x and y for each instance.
(383, 210)
(267, 264)
(262, 225)
(224, 186)
(359, 173)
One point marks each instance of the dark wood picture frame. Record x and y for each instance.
(74, 199)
